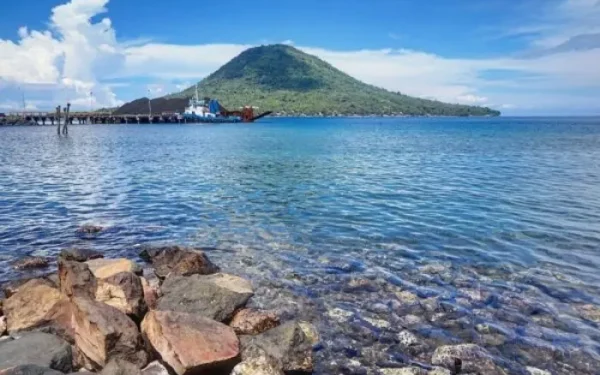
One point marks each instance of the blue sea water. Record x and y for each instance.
(310, 207)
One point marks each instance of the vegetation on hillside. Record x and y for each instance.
(283, 79)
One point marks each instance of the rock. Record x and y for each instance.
(120, 367)
(155, 368)
(257, 366)
(32, 306)
(31, 262)
(439, 371)
(79, 255)
(103, 268)
(150, 294)
(30, 370)
(76, 279)
(310, 331)
(407, 339)
(178, 260)
(466, 358)
(590, 312)
(190, 343)
(102, 333)
(39, 349)
(10, 287)
(123, 291)
(403, 371)
(253, 322)
(407, 298)
(90, 229)
(2, 325)
(215, 296)
(537, 371)
(379, 323)
(339, 315)
(286, 344)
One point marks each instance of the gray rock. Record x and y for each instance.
(39, 349)
(30, 370)
(155, 368)
(257, 366)
(466, 358)
(120, 367)
(79, 254)
(178, 260)
(403, 371)
(287, 345)
(407, 339)
(439, 371)
(215, 296)
(537, 371)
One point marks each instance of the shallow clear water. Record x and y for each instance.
(332, 218)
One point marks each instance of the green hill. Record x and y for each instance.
(284, 79)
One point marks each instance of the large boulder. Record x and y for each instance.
(190, 343)
(76, 279)
(178, 260)
(257, 366)
(10, 287)
(30, 370)
(35, 304)
(31, 262)
(102, 333)
(215, 296)
(103, 268)
(79, 254)
(466, 358)
(253, 322)
(287, 345)
(123, 291)
(39, 349)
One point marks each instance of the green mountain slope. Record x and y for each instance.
(284, 79)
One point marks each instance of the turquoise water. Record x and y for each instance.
(310, 208)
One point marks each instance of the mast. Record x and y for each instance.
(197, 98)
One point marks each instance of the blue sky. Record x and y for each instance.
(531, 57)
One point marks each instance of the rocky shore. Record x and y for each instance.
(177, 314)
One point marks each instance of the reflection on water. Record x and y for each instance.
(491, 222)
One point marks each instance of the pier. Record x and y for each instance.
(90, 118)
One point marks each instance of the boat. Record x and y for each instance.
(209, 110)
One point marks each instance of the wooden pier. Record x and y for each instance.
(89, 118)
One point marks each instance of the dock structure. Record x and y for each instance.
(89, 118)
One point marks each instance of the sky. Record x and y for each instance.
(523, 57)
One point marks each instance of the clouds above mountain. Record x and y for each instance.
(79, 54)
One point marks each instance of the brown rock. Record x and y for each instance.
(178, 261)
(31, 262)
(31, 306)
(76, 279)
(10, 287)
(123, 291)
(103, 268)
(102, 333)
(2, 325)
(150, 294)
(79, 254)
(253, 322)
(191, 344)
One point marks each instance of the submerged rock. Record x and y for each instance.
(90, 229)
(39, 349)
(590, 312)
(215, 296)
(103, 268)
(103, 333)
(178, 260)
(79, 254)
(253, 322)
(123, 291)
(31, 262)
(287, 345)
(191, 343)
(466, 358)
(403, 371)
(257, 366)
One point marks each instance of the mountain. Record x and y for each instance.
(281, 78)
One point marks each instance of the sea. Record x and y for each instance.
(451, 230)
